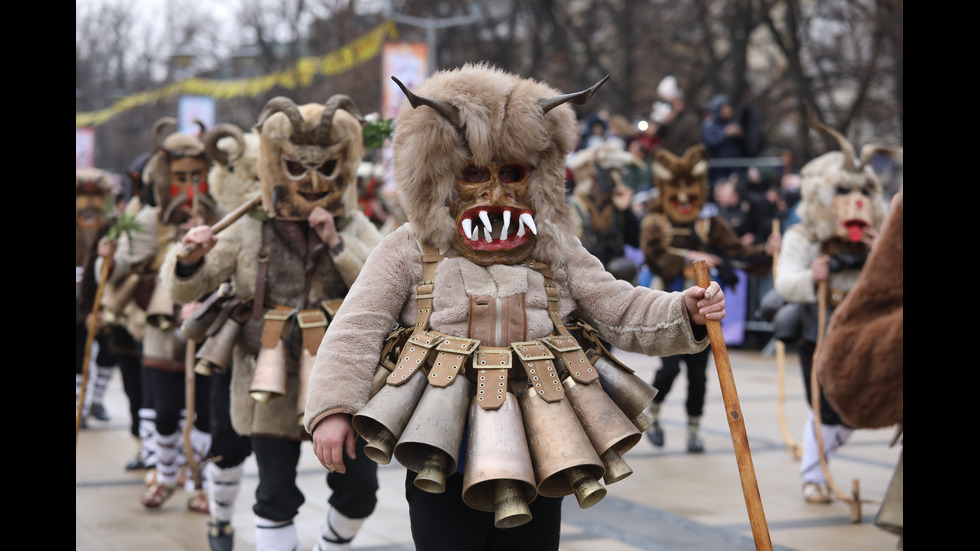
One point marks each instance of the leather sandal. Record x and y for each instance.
(198, 502)
(221, 535)
(815, 493)
(156, 494)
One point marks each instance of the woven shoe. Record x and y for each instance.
(98, 411)
(815, 493)
(198, 502)
(156, 494)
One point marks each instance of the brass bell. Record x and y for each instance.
(612, 434)
(430, 443)
(269, 377)
(382, 420)
(631, 393)
(564, 460)
(216, 353)
(499, 474)
(161, 309)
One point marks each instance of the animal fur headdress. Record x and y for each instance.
(157, 172)
(481, 116)
(830, 179)
(308, 156)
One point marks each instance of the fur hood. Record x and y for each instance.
(501, 121)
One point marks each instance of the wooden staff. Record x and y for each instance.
(791, 444)
(190, 391)
(220, 225)
(736, 423)
(855, 498)
(93, 327)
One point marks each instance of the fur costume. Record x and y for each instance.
(95, 190)
(841, 197)
(860, 364)
(474, 149)
(677, 226)
(302, 270)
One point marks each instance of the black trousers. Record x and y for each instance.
(443, 522)
(167, 392)
(231, 448)
(697, 376)
(828, 415)
(278, 498)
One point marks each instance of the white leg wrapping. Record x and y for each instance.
(148, 429)
(223, 486)
(337, 531)
(167, 467)
(103, 374)
(834, 436)
(201, 442)
(275, 536)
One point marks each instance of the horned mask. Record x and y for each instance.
(682, 183)
(177, 171)
(479, 157)
(841, 195)
(308, 157)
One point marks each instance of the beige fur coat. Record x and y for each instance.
(235, 257)
(632, 318)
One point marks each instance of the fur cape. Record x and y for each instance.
(860, 363)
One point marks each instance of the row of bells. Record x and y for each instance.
(526, 447)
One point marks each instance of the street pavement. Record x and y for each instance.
(673, 500)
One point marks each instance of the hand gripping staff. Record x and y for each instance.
(746, 471)
(242, 209)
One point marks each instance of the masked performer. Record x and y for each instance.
(495, 305)
(177, 174)
(95, 190)
(674, 233)
(292, 266)
(841, 209)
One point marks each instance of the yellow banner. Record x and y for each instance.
(360, 50)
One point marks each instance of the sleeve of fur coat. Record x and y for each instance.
(859, 364)
(351, 348)
(794, 277)
(360, 237)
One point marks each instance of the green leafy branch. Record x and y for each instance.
(121, 223)
(376, 132)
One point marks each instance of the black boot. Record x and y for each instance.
(221, 536)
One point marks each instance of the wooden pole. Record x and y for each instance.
(854, 499)
(89, 338)
(190, 391)
(791, 444)
(736, 423)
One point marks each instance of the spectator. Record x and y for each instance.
(678, 127)
(724, 138)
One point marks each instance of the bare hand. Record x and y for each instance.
(774, 243)
(622, 197)
(323, 224)
(107, 247)
(201, 240)
(705, 304)
(332, 436)
(820, 268)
